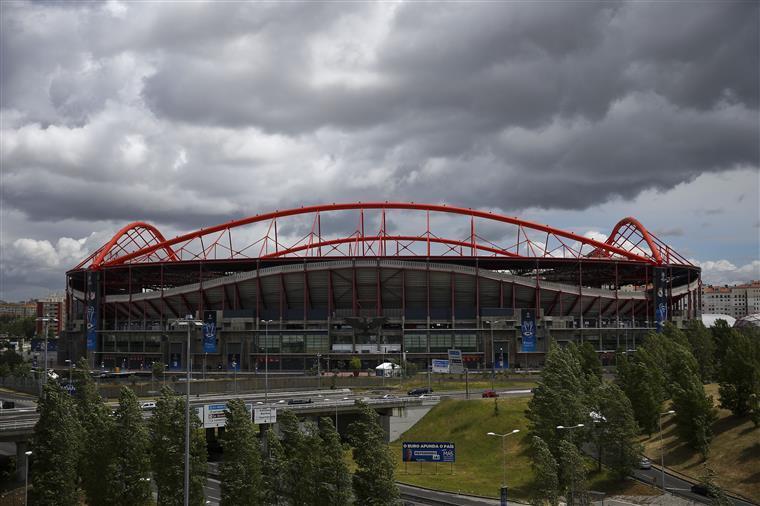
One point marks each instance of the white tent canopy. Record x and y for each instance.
(709, 319)
(388, 369)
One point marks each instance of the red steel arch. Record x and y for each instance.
(135, 236)
(207, 243)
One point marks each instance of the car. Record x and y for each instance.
(148, 405)
(420, 391)
(490, 393)
(299, 401)
(645, 463)
(389, 396)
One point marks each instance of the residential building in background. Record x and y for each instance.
(18, 309)
(52, 306)
(736, 300)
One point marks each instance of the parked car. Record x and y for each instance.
(645, 463)
(420, 391)
(490, 393)
(148, 405)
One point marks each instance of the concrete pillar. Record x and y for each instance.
(385, 423)
(21, 447)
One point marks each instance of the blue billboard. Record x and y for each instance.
(91, 318)
(209, 332)
(428, 452)
(660, 298)
(528, 330)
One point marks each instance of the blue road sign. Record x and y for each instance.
(428, 452)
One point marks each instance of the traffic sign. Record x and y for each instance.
(265, 414)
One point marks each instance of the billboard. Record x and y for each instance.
(209, 332)
(91, 316)
(440, 365)
(456, 366)
(660, 298)
(428, 452)
(213, 414)
(528, 330)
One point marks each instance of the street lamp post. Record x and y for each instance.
(71, 365)
(504, 454)
(234, 375)
(266, 358)
(662, 449)
(562, 427)
(319, 371)
(26, 476)
(45, 321)
(491, 323)
(188, 322)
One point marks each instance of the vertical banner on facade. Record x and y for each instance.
(660, 298)
(528, 330)
(91, 316)
(209, 332)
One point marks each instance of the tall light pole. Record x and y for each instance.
(662, 449)
(26, 476)
(319, 371)
(266, 358)
(562, 427)
(493, 352)
(71, 365)
(504, 457)
(234, 374)
(45, 321)
(190, 323)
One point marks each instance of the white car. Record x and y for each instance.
(148, 405)
(645, 463)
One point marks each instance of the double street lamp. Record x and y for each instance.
(26, 475)
(504, 452)
(190, 323)
(45, 322)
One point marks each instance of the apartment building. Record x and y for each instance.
(733, 300)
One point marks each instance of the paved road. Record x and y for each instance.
(676, 485)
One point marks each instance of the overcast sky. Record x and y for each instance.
(190, 114)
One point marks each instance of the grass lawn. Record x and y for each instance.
(734, 453)
(479, 465)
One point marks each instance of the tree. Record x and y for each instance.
(641, 383)
(167, 444)
(739, 374)
(241, 481)
(559, 398)
(128, 475)
(719, 497)
(545, 489)
(97, 427)
(275, 463)
(615, 430)
(722, 336)
(589, 360)
(334, 479)
(572, 473)
(374, 482)
(703, 349)
(302, 451)
(56, 442)
(695, 414)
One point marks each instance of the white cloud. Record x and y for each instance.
(723, 272)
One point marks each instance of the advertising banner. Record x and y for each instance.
(660, 298)
(440, 365)
(428, 452)
(456, 366)
(91, 316)
(265, 414)
(528, 330)
(209, 332)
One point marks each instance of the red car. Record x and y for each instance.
(490, 393)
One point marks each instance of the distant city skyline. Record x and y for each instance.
(187, 115)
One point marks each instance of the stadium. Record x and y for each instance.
(382, 280)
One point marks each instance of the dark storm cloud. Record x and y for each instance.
(190, 114)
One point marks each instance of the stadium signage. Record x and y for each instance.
(209, 332)
(456, 366)
(91, 318)
(528, 330)
(428, 452)
(661, 308)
